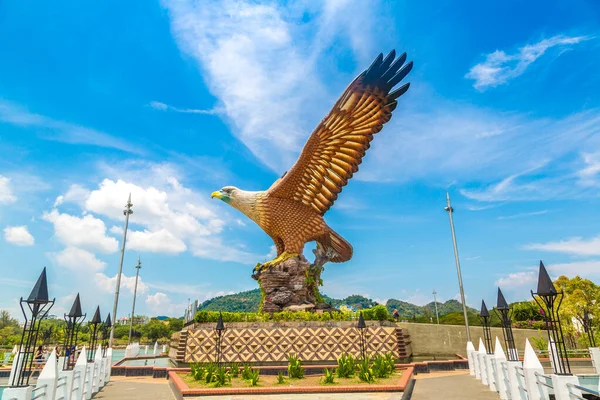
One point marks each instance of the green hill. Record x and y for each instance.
(243, 301)
(249, 302)
(409, 310)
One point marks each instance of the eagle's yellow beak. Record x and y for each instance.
(217, 194)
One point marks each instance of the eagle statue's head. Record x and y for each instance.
(238, 198)
(226, 194)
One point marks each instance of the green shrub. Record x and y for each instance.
(254, 377)
(295, 368)
(380, 313)
(246, 372)
(369, 314)
(221, 377)
(346, 366)
(539, 342)
(280, 379)
(328, 376)
(365, 372)
(383, 366)
(234, 369)
(210, 372)
(197, 371)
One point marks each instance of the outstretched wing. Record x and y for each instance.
(336, 147)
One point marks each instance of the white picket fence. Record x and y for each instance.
(80, 383)
(516, 380)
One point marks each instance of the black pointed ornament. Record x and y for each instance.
(501, 304)
(361, 322)
(39, 293)
(484, 311)
(545, 286)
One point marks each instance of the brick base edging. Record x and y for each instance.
(181, 389)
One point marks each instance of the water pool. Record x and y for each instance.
(150, 362)
(118, 354)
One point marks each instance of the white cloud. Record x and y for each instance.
(522, 215)
(214, 248)
(76, 194)
(499, 67)
(78, 260)
(576, 245)
(18, 235)
(517, 279)
(283, 53)
(86, 232)
(127, 282)
(161, 241)
(6, 193)
(160, 304)
(165, 107)
(51, 129)
(585, 269)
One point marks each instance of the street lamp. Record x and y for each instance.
(587, 327)
(484, 315)
(73, 319)
(547, 297)
(503, 312)
(96, 320)
(219, 329)
(38, 305)
(361, 333)
(105, 333)
(127, 212)
(436, 309)
(137, 274)
(450, 210)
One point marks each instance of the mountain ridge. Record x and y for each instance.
(249, 301)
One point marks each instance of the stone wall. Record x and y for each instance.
(444, 340)
(312, 342)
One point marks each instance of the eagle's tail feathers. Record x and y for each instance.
(338, 248)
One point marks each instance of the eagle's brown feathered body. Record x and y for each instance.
(291, 210)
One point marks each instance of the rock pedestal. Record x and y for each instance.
(292, 285)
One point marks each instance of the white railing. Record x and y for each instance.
(39, 395)
(545, 381)
(521, 380)
(572, 386)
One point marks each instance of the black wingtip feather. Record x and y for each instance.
(387, 61)
(374, 68)
(398, 92)
(399, 76)
(392, 106)
(394, 67)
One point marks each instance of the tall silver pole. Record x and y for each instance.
(127, 212)
(436, 310)
(137, 274)
(460, 282)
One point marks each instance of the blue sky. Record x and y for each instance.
(172, 100)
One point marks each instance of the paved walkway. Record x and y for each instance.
(451, 386)
(120, 388)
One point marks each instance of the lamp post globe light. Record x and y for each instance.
(219, 330)
(73, 319)
(484, 315)
(362, 326)
(105, 334)
(548, 298)
(503, 312)
(93, 324)
(38, 306)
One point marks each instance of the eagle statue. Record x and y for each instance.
(291, 211)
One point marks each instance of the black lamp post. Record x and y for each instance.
(587, 327)
(362, 327)
(105, 334)
(484, 315)
(503, 312)
(38, 305)
(219, 329)
(547, 297)
(96, 320)
(73, 319)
